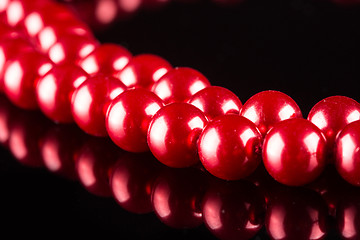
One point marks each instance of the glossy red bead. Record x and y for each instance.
(72, 48)
(55, 89)
(21, 75)
(107, 58)
(347, 153)
(269, 107)
(216, 101)
(51, 33)
(180, 84)
(229, 147)
(129, 116)
(294, 152)
(332, 114)
(173, 133)
(143, 70)
(91, 100)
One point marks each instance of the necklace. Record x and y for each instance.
(143, 103)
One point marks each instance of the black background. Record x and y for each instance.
(307, 49)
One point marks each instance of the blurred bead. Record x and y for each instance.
(229, 147)
(269, 107)
(20, 77)
(17, 10)
(107, 58)
(216, 101)
(93, 164)
(3, 5)
(51, 33)
(72, 48)
(233, 210)
(9, 48)
(47, 13)
(91, 100)
(332, 114)
(180, 84)
(55, 89)
(129, 116)
(347, 153)
(132, 180)
(173, 134)
(177, 196)
(296, 214)
(143, 71)
(294, 152)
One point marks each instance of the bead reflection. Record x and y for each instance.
(25, 137)
(59, 147)
(296, 213)
(233, 210)
(177, 195)
(93, 163)
(132, 179)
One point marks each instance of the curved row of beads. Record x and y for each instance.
(53, 62)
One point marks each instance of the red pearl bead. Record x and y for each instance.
(332, 114)
(51, 33)
(9, 48)
(91, 100)
(233, 210)
(72, 48)
(294, 152)
(143, 70)
(177, 196)
(107, 58)
(216, 101)
(173, 133)
(347, 153)
(229, 147)
(180, 84)
(21, 75)
(54, 91)
(295, 214)
(129, 116)
(269, 107)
